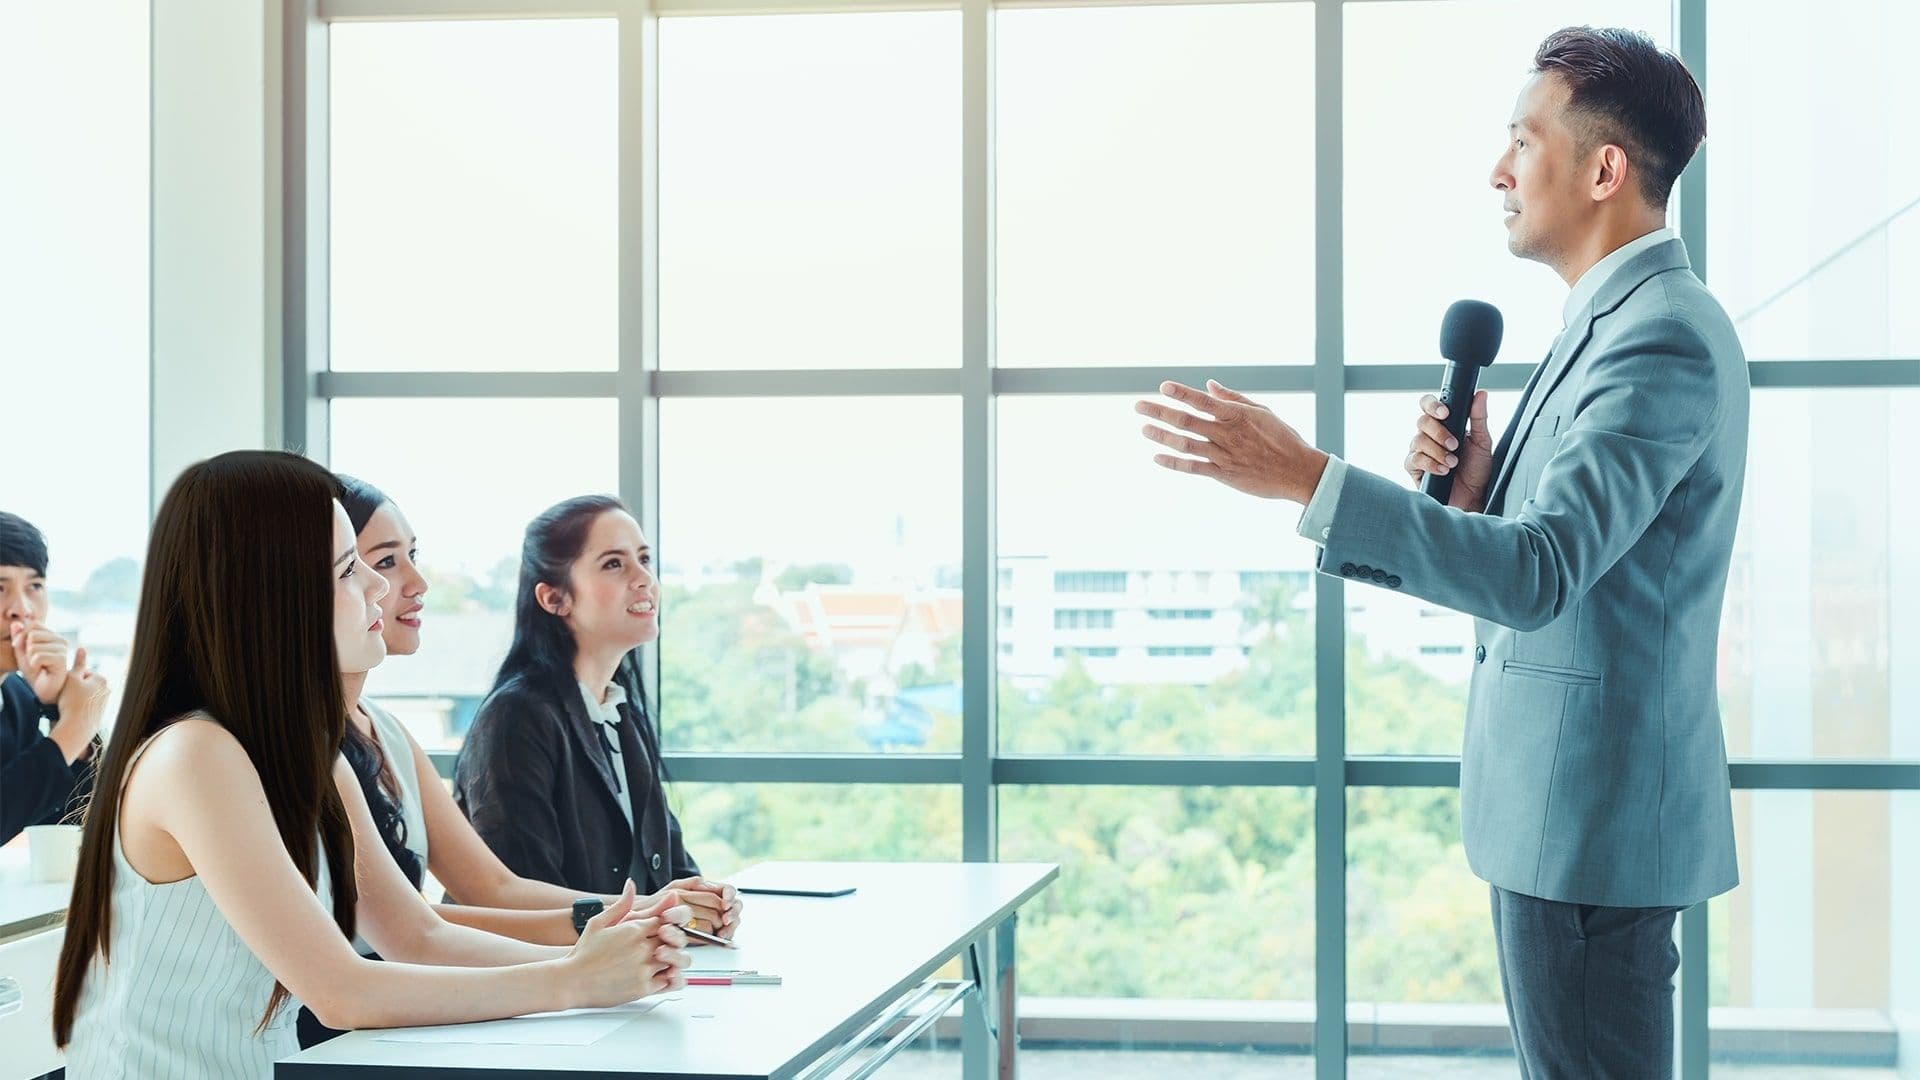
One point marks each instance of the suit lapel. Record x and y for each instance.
(1545, 378)
(1671, 255)
(588, 739)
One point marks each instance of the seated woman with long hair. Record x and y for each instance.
(420, 825)
(217, 877)
(561, 771)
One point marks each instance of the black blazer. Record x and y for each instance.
(37, 786)
(535, 780)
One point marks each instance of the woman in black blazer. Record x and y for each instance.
(560, 773)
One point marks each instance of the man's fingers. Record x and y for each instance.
(1176, 418)
(1425, 447)
(79, 659)
(1182, 443)
(1218, 390)
(1187, 465)
(1430, 405)
(1437, 431)
(1418, 465)
(1187, 395)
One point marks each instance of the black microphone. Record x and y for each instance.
(1469, 339)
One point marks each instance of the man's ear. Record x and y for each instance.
(1611, 172)
(553, 601)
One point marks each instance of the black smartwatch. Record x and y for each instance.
(583, 910)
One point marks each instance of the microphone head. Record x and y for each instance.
(1470, 332)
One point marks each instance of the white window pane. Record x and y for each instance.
(468, 475)
(1155, 185)
(73, 307)
(810, 552)
(1429, 90)
(810, 191)
(1813, 142)
(1094, 537)
(474, 196)
(1820, 637)
(1811, 960)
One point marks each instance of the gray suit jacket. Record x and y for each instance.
(1595, 770)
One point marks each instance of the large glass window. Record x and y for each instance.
(1154, 200)
(1429, 90)
(1814, 957)
(800, 613)
(1819, 649)
(1154, 185)
(1199, 899)
(473, 196)
(73, 307)
(810, 191)
(1094, 540)
(1805, 274)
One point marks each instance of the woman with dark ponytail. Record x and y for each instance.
(561, 772)
(217, 875)
(420, 826)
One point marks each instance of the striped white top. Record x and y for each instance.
(183, 995)
(392, 738)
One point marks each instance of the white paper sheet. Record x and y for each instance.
(574, 1027)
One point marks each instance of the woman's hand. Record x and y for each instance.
(621, 958)
(715, 905)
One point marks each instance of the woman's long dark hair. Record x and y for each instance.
(370, 763)
(236, 621)
(543, 648)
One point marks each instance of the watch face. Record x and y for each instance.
(583, 910)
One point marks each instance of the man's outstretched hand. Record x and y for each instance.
(1233, 439)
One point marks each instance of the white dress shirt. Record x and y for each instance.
(607, 714)
(1316, 519)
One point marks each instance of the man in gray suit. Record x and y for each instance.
(1592, 548)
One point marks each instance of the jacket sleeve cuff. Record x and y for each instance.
(1316, 521)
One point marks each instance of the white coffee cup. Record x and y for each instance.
(53, 852)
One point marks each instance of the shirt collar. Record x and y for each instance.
(607, 712)
(1590, 283)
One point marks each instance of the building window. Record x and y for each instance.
(1090, 581)
(1083, 619)
(1179, 650)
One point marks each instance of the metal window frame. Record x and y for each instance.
(638, 384)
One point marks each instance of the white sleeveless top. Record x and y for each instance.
(183, 994)
(392, 737)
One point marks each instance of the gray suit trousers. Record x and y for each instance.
(1589, 989)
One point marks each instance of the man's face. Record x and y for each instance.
(1541, 177)
(23, 600)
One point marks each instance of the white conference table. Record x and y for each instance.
(847, 963)
(31, 916)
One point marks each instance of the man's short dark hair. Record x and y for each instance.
(21, 544)
(1629, 92)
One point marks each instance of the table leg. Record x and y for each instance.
(1006, 996)
(989, 1032)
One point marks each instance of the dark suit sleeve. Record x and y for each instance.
(37, 786)
(504, 782)
(683, 864)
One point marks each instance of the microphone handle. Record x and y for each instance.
(1456, 393)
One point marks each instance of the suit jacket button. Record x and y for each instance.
(1393, 581)
(1479, 654)
(1363, 570)
(1346, 568)
(1379, 577)
(655, 861)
